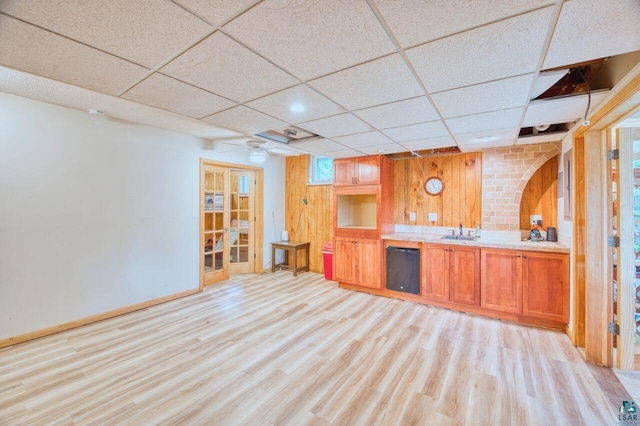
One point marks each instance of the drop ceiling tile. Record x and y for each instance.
(363, 139)
(503, 49)
(312, 38)
(561, 110)
(319, 146)
(169, 94)
(496, 95)
(146, 32)
(401, 113)
(407, 17)
(344, 153)
(389, 148)
(381, 81)
(27, 48)
(217, 12)
(338, 125)
(546, 80)
(222, 66)
(486, 138)
(508, 118)
(279, 105)
(245, 120)
(430, 143)
(431, 129)
(26, 85)
(592, 29)
(552, 137)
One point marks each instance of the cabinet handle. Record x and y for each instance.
(518, 256)
(357, 180)
(524, 257)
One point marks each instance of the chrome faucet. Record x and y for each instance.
(461, 229)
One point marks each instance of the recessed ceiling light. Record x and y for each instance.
(297, 108)
(485, 139)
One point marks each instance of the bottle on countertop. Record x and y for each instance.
(478, 230)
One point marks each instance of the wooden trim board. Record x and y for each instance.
(469, 309)
(93, 318)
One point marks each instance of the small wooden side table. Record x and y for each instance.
(290, 246)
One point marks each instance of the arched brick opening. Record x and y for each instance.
(517, 197)
(505, 174)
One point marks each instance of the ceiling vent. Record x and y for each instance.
(288, 135)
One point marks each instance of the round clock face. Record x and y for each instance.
(433, 186)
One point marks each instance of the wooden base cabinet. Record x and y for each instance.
(451, 273)
(358, 262)
(545, 286)
(531, 284)
(501, 281)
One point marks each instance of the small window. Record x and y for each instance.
(320, 170)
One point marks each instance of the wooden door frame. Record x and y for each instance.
(258, 210)
(592, 302)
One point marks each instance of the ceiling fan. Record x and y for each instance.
(259, 150)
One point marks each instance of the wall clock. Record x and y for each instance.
(433, 185)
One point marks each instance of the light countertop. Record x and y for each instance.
(544, 246)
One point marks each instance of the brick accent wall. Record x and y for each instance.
(505, 173)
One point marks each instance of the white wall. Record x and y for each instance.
(565, 227)
(97, 215)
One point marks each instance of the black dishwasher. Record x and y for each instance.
(403, 269)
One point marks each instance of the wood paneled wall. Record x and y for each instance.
(459, 202)
(540, 196)
(311, 221)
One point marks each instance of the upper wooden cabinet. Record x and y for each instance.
(359, 210)
(359, 170)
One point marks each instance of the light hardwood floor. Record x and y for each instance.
(273, 349)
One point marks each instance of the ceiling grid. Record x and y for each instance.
(367, 76)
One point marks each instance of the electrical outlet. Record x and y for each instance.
(433, 217)
(535, 219)
(412, 216)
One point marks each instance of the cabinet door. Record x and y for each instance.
(368, 171)
(344, 260)
(545, 286)
(369, 263)
(464, 275)
(344, 171)
(435, 271)
(501, 280)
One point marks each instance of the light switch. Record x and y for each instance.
(412, 216)
(433, 217)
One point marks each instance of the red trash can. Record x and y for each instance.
(327, 255)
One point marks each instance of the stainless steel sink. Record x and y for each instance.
(458, 237)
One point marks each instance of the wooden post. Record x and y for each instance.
(626, 253)
(597, 295)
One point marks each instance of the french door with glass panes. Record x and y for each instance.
(242, 222)
(227, 211)
(215, 219)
